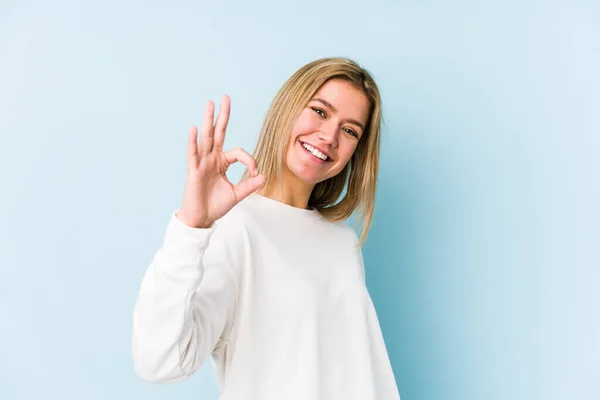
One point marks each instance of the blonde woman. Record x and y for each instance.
(265, 277)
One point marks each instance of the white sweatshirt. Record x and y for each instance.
(275, 295)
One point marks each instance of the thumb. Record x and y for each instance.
(249, 186)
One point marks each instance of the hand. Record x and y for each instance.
(208, 194)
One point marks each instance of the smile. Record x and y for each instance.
(323, 158)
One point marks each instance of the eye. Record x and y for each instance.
(324, 115)
(350, 131)
(319, 111)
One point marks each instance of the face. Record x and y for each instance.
(326, 133)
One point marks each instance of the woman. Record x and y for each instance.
(265, 277)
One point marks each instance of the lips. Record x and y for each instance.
(317, 148)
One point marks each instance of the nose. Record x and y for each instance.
(328, 134)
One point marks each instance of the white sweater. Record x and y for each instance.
(275, 295)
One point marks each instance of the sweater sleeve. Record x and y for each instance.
(183, 306)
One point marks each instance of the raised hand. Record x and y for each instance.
(208, 194)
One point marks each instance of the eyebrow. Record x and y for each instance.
(330, 106)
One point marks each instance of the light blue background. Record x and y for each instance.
(483, 260)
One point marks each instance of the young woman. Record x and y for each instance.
(265, 277)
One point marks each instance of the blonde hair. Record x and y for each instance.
(360, 174)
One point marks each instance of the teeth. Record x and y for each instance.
(315, 151)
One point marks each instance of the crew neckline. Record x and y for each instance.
(276, 205)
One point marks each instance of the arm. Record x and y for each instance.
(183, 306)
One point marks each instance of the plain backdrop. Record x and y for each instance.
(483, 258)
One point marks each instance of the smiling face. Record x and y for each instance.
(326, 134)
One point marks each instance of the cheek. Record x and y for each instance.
(346, 150)
(306, 123)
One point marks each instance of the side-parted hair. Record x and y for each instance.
(360, 174)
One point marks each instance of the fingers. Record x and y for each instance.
(193, 158)
(221, 125)
(206, 134)
(251, 184)
(242, 156)
(248, 186)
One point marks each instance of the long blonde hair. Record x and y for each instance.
(360, 174)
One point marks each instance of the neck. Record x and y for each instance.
(293, 196)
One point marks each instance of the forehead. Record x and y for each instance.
(350, 101)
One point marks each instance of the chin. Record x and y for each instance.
(308, 178)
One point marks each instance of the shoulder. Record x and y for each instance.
(347, 231)
(339, 232)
